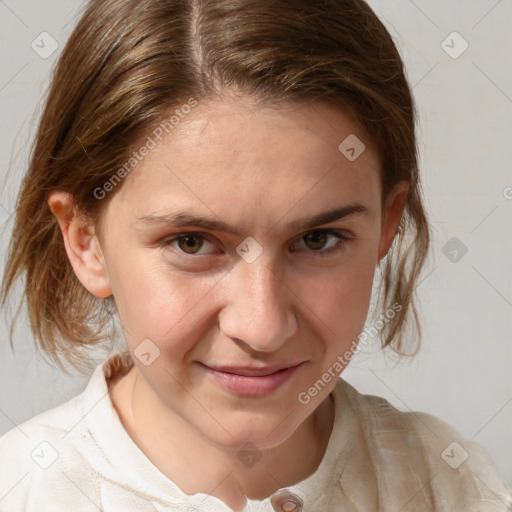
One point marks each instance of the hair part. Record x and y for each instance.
(130, 63)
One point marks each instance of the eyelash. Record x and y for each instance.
(315, 254)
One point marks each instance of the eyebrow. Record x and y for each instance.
(183, 218)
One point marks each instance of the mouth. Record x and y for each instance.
(253, 371)
(250, 380)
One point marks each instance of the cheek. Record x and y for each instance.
(171, 309)
(341, 301)
(160, 305)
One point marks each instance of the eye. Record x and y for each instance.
(318, 242)
(188, 243)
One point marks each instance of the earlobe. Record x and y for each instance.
(392, 214)
(81, 244)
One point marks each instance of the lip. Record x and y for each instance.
(253, 371)
(250, 380)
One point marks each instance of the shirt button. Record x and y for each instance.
(285, 501)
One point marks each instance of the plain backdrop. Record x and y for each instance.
(464, 97)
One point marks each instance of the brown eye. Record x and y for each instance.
(323, 242)
(316, 240)
(190, 243)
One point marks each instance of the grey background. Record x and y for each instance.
(462, 373)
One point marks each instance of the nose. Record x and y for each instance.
(258, 308)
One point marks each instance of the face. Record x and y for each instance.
(214, 311)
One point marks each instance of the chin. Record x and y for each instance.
(262, 432)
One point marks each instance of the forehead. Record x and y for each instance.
(231, 154)
(236, 125)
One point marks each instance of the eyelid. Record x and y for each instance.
(343, 238)
(339, 246)
(173, 238)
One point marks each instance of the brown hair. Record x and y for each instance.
(128, 63)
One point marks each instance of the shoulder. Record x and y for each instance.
(409, 446)
(52, 424)
(464, 470)
(39, 459)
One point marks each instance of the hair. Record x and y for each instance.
(129, 63)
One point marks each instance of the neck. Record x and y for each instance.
(196, 464)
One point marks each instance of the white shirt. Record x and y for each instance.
(78, 457)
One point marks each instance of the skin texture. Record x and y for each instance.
(257, 170)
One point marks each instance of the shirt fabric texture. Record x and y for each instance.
(78, 457)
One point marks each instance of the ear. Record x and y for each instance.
(81, 243)
(392, 213)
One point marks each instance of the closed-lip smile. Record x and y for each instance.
(253, 371)
(251, 381)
